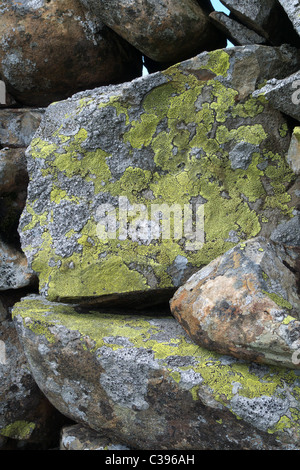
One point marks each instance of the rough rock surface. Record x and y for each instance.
(18, 126)
(293, 156)
(267, 18)
(165, 31)
(142, 382)
(78, 437)
(292, 9)
(283, 94)
(25, 413)
(104, 162)
(245, 303)
(13, 170)
(50, 50)
(236, 32)
(14, 270)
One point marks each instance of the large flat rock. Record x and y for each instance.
(140, 381)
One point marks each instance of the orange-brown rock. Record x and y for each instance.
(49, 49)
(246, 304)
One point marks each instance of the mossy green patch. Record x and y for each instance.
(224, 379)
(184, 129)
(279, 300)
(20, 430)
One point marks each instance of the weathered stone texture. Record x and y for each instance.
(283, 94)
(267, 18)
(166, 31)
(50, 50)
(142, 382)
(236, 32)
(26, 415)
(246, 304)
(292, 9)
(191, 135)
(78, 437)
(14, 270)
(18, 126)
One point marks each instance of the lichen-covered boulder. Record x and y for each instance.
(141, 381)
(245, 303)
(165, 31)
(26, 415)
(51, 49)
(135, 187)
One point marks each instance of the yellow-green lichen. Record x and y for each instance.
(182, 124)
(20, 430)
(224, 379)
(279, 300)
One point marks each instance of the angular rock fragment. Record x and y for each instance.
(293, 156)
(13, 170)
(78, 437)
(246, 304)
(267, 18)
(140, 381)
(14, 270)
(121, 178)
(51, 49)
(167, 31)
(236, 32)
(283, 94)
(18, 126)
(292, 8)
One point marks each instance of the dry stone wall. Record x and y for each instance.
(123, 328)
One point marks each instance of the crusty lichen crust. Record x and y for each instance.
(130, 358)
(174, 137)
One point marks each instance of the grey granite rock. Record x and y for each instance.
(140, 381)
(283, 94)
(236, 32)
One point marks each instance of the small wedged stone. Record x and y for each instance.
(14, 270)
(236, 32)
(246, 304)
(293, 155)
(141, 381)
(267, 18)
(165, 31)
(283, 94)
(109, 167)
(18, 126)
